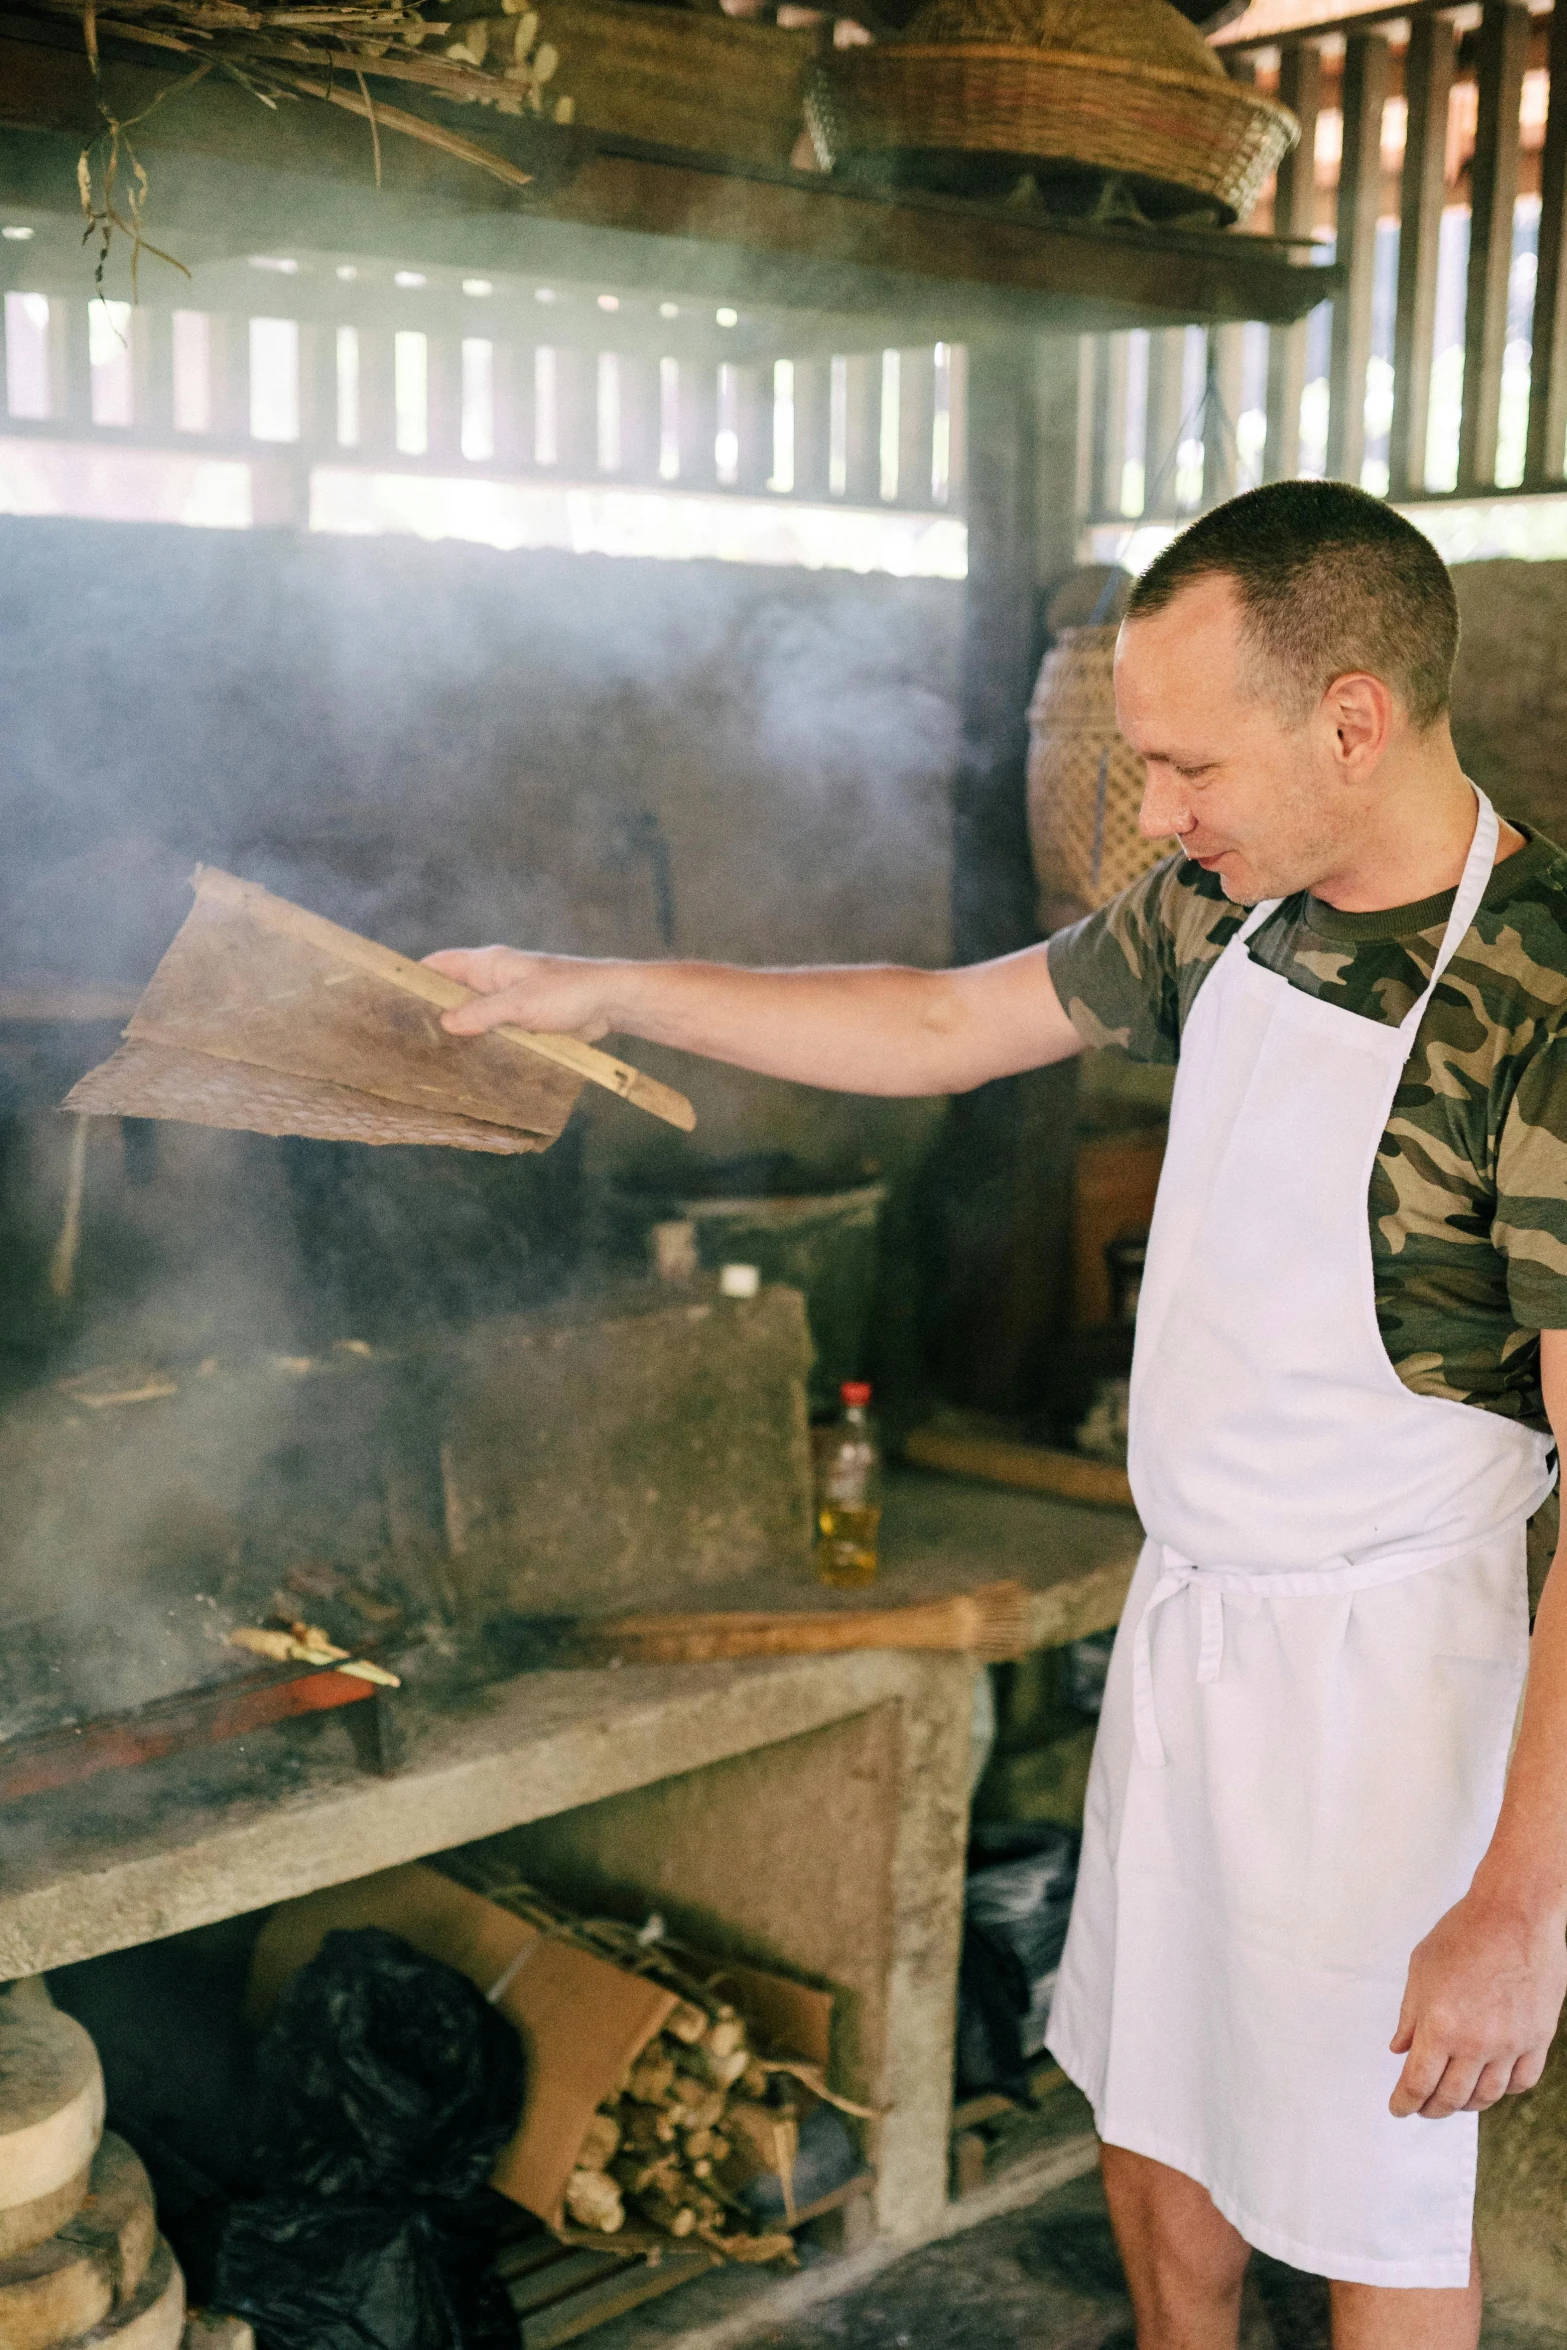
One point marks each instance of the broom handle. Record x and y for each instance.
(952, 1623)
(569, 1052)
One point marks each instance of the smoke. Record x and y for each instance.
(436, 745)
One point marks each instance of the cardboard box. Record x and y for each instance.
(582, 2020)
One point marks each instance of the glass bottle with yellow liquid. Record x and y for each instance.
(848, 1507)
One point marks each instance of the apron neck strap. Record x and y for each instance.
(1471, 889)
(1255, 919)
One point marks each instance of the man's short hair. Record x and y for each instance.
(1330, 581)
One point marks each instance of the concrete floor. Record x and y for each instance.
(1048, 2278)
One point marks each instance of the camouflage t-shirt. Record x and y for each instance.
(1468, 1198)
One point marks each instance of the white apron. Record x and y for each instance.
(1307, 1718)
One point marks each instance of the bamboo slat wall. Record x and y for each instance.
(1433, 163)
(303, 360)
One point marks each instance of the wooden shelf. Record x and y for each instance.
(229, 176)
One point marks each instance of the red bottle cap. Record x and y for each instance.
(855, 1391)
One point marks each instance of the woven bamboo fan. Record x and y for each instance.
(1085, 785)
(1076, 91)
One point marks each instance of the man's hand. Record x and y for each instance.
(556, 995)
(1480, 2007)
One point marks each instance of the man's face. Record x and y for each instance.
(1249, 796)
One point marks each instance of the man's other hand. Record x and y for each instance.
(556, 995)
(1480, 2007)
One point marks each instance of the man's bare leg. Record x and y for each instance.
(1378, 2317)
(1185, 2264)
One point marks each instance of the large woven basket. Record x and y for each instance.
(1146, 102)
(677, 77)
(1085, 785)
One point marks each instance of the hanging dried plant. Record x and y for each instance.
(309, 50)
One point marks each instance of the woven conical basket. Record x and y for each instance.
(1085, 785)
(1121, 88)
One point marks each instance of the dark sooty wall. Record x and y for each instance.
(439, 744)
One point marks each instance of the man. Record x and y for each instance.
(1308, 1911)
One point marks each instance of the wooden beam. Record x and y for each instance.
(1359, 202)
(940, 268)
(1294, 215)
(1428, 86)
(1504, 51)
(1545, 464)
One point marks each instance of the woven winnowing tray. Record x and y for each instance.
(265, 1017)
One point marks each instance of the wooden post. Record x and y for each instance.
(512, 387)
(698, 424)
(1294, 212)
(1504, 50)
(1109, 424)
(1428, 85)
(444, 394)
(812, 427)
(639, 418)
(916, 421)
(1166, 414)
(1545, 465)
(1004, 1170)
(1221, 412)
(862, 445)
(1359, 202)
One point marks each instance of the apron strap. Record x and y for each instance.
(1472, 886)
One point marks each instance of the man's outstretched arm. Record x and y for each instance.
(862, 1028)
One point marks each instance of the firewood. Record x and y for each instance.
(699, 2144)
(688, 2023)
(601, 2142)
(593, 2201)
(724, 2035)
(720, 2072)
(652, 2077)
(676, 2219)
(647, 2127)
(753, 2082)
(694, 2106)
(636, 2174)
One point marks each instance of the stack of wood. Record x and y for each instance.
(81, 2259)
(692, 2123)
(697, 2115)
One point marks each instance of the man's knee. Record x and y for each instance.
(1175, 2244)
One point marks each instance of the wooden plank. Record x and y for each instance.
(1221, 413)
(1110, 445)
(1504, 51)
(1294, 211)
(1428, 86)
(1166, 417)
(1359, 202)
(943, 268)
(613, 2295)
(1545, 463)
(172, 1725)
(966, 1446)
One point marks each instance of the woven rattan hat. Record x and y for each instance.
(1078, 92)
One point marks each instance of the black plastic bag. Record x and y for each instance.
(386, 2087)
